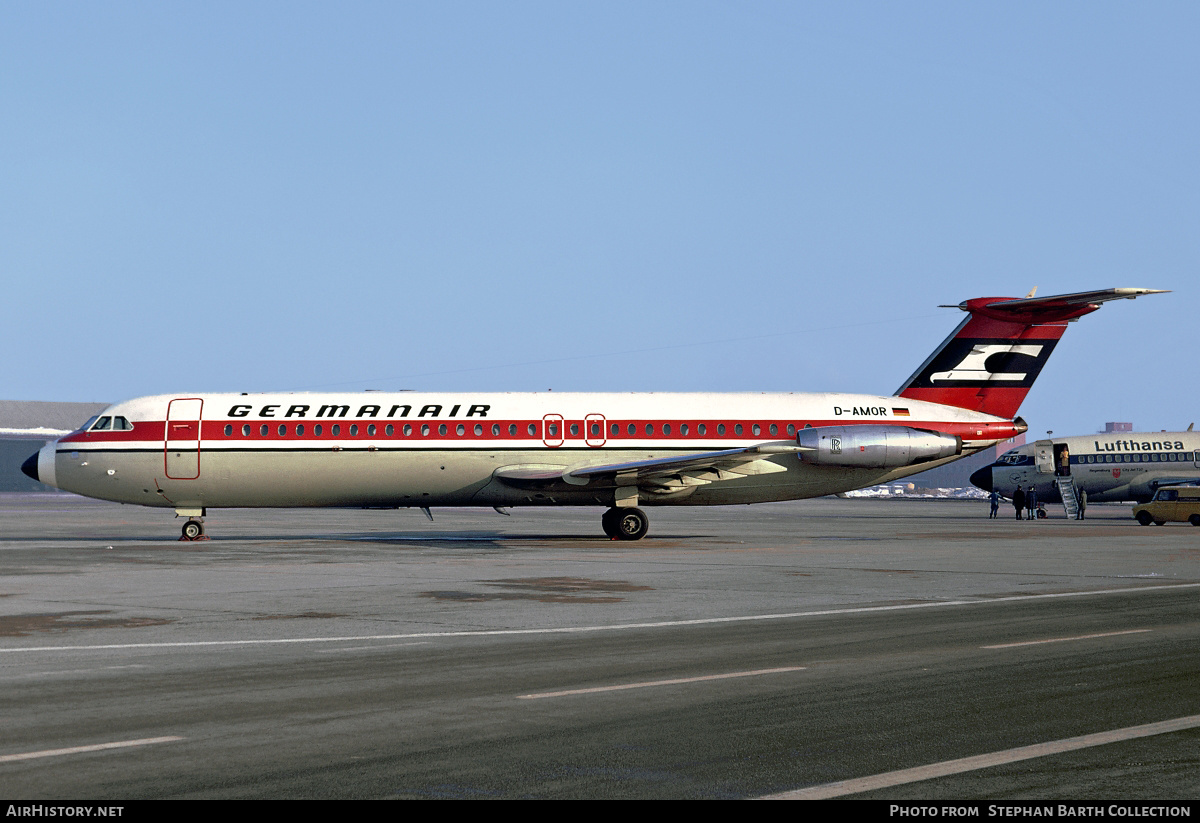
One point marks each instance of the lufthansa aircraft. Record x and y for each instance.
(191, 453)
(1110, 467)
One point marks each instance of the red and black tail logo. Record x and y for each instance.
(979, 362)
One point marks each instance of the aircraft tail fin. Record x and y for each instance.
(989, 363)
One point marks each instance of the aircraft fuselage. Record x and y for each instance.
(419, 449)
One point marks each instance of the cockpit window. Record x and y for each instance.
(121, 424)
(89, 423)
(1014, 458)
(102, 425)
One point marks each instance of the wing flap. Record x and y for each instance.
(671, 472)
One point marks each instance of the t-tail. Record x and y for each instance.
(990, 361)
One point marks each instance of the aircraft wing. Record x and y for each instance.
(660, 473)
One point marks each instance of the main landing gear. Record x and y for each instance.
(625, 523)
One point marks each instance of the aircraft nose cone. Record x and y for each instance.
(982, 479)
(29, 467)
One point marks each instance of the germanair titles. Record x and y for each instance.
(343, 410)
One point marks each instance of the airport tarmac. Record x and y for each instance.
(860, 648)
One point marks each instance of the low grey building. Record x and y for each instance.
(25, 425)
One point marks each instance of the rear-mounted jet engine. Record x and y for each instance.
(874, 447)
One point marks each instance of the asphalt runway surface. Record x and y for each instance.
(857, 648)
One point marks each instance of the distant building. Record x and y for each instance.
(1117, 427)
(25, 425)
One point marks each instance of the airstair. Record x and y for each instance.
(1070, 498)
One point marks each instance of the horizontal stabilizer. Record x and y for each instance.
(1058, 304)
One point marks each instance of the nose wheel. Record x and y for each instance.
(625, 523)
(193, 530)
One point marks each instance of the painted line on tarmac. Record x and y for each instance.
(649, 683)
(98, 747)
(1064, 639)
(984, 761)
(662, 624)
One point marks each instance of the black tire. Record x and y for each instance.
(192, 529)
(608, 522)
(632, 524)
(1144, 518)
(1194, 519)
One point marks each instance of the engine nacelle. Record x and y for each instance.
(875, 447)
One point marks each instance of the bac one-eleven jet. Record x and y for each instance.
(191, 453)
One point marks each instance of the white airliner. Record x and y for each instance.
(1110, 467)
(191, 453)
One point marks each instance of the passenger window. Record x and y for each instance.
(683, 429)
(721, 429)
(631, 429)
(737, 429)
(791, 429)
(371, 430)
(552, 430)
(354, 430)
(228, 429)
(649, 428)
(390, 430)
(478, 430)
(460, 430)
(774, 429)
(263, 429)
(614, 429)
(512, 429)
(442, 430)
(317, 430)
(299, 429)
(666, 428)
(755, 428)
(245, 430)
(701, 430)
(282, 430)
(336, 430)
(407, 429)
(532, 429)
(574, 429)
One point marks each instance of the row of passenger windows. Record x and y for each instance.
(552, 429)
(1143, 457)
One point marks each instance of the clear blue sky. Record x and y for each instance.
(650, 196)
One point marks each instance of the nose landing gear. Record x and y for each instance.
(193, 530)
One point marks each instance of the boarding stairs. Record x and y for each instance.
(1070, 498)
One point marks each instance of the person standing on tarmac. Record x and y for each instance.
(1082, 504)
(1019, 501)
(994, 499)
(1031, 503)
